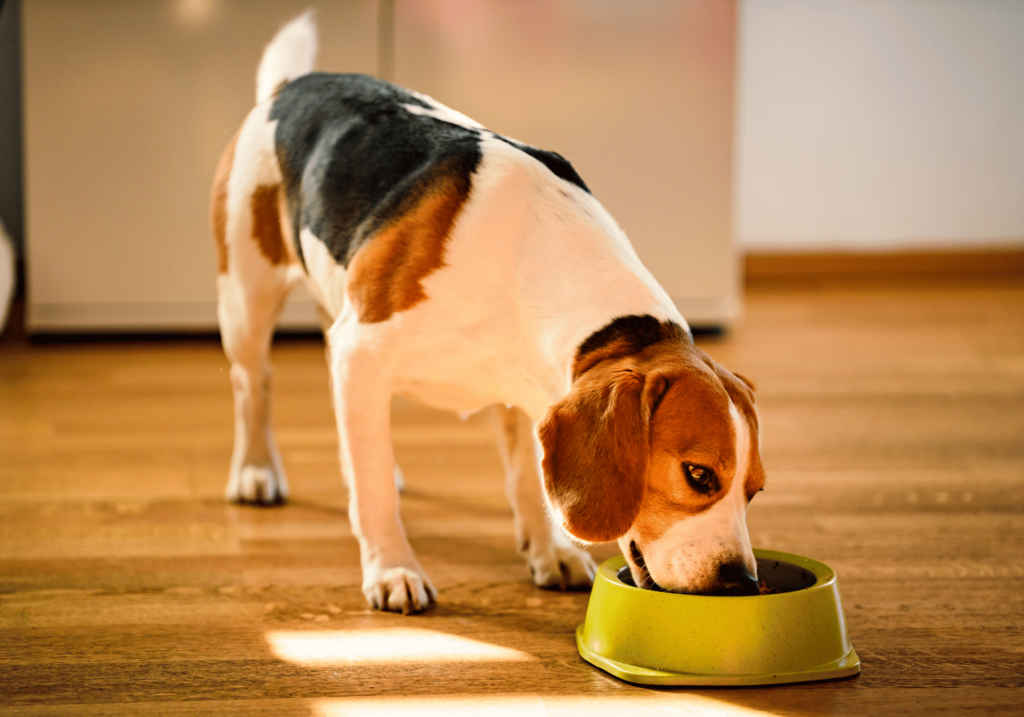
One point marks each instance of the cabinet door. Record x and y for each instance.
(637, 94)
(128, 106)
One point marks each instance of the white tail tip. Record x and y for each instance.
(289, 55)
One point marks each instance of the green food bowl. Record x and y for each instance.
(661, 638)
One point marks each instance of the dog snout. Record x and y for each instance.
(735, 579)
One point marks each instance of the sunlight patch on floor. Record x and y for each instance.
(385, 646)
(638, 703)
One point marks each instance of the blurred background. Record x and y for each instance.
(790, 130)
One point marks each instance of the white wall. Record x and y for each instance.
(880, 124)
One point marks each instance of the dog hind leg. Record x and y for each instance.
(554, 562)
(252, 283)
(247, 318)
(247, 322)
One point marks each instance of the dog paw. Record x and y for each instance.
(261, 485)
(401, 590)
(562, 567)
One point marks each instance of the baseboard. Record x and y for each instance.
(996, 263)
(182, 317)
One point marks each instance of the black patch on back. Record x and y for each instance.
(638, 331)
(558, 164)
(351, 154)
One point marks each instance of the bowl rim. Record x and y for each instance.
(825, 577)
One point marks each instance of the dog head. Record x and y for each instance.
(657, 446)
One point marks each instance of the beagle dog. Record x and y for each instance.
(468, 270)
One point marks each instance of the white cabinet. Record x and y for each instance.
(128, 105)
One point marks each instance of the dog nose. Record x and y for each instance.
(735, 579)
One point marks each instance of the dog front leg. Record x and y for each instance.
(392, 576)
(325, 326)
(554, 562)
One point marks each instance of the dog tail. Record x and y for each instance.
(289, 55)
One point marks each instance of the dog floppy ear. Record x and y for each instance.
(736, 385)
(596, 445)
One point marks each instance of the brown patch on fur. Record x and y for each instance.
(385, 274)
(614, 448)
(266, 222)
(219, 204)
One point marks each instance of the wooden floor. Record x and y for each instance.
(893, 439)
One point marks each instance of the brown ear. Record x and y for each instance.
(596, 444)
(744, 379)
(735, 384)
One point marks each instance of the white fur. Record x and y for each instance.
(688, 555)
(326, 277)
(441, 112)
(289, 55)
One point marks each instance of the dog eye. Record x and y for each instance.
(700, 478)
